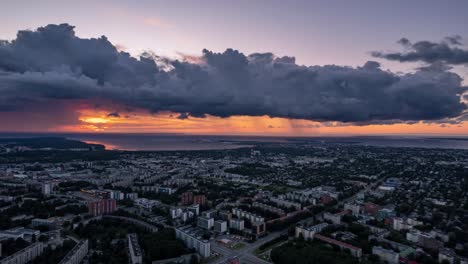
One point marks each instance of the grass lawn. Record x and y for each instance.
(238, 246)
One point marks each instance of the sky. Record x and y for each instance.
(295, 68)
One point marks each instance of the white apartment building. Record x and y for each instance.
(135, 256)
(308, 232)
(76, 255)
(146, 203)
(405, 224)
(237, 224)
(220, 226)
(247, 215)
(386, 255)
(285, 203)
(193, 239)
(205, 222)
(25, 255)
(354, 208)
(334, 218)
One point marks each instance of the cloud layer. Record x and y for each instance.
(52, 64)
(447, 51)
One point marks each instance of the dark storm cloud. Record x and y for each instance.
(51, 63)
(113, 114)
(454, 40)
(183, 116)
(447, 51)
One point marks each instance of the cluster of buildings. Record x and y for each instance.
(19, 232)
(155, 189)
(312, 196)
(145, 203)
(390, 184)
(185, 213)
(244, 205)
(51, 222)
(280, 212)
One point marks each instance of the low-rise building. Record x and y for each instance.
(210, 213)
(405, 224)
(131, 196)
(46, 188)
(195, 209)
(385, 213)
(355, 209)
(19, 232)
(426, 240)
(258, 228)
(136, 255)
(386, 255)
(355, 251)
(175, 212)
(334, 218)
(280, 212)
(371, 208)
(422, 239)
(146, 203)
(308, 232)
(447, 255)
(225, 215)
(6, 198)
(413, 235)
(166, 190)
(444, 237)
(51, 223)
(286, 203)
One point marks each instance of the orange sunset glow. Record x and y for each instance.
(141, 122)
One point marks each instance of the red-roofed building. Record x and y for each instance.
(355, 251)
(407, 261)
(371, 208)
(233, 261)
(326, 199)
(344, 212)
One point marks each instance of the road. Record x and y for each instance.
(246, 254)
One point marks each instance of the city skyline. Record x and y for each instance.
(234, 132)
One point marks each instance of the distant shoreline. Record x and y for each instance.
(181, 142)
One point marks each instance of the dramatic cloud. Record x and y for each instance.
(447, 51)
(52, 63)
(113, 114)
